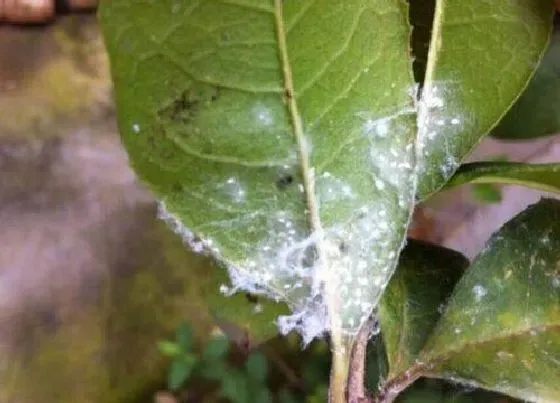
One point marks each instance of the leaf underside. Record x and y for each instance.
(280, 134)
(481, 56)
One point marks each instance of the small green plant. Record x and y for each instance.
(237, 385)
(237, 381)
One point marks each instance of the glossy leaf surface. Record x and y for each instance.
(414, 299)
(537, 112)
(500, 330)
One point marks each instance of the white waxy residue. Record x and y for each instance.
(438, 123)
(234, 189)
(332, 189)
(263, 115)
(479, 292)
(347, 261)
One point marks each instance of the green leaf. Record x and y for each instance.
(482, 54)
(438, 391)
(414, 299)
(261, 394)
(184, 336)
(169, 348)
(537, 112)
(257, 367)
(286, 396)
(263, 126)
(180, 371)
(194, 282)
(486, 193)
(377, 366)
(217, 371)
(235, 387)
(500, 330)
(215, 349)
(545, 177)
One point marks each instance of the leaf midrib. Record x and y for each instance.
(308, 177)
(289, 93)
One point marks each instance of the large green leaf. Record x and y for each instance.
(414, 299)
(537, 112)
(544, 177)
(281, 134)
(500, 330)
(481, 56)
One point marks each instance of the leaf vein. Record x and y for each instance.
(223, 159)
(299, 16)
(335, 56)
(252, 7)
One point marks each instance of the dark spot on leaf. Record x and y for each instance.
(251, 298)
(184, 107)
(215, 95)
(284, 181)
(343, 247)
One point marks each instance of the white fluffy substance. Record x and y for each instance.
(342, 268)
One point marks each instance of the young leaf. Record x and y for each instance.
(279, 136)
(235, 386)
(180, 371)
(184, 336)
(169, 348)
(257, 367)
(481, 56)
(500, 330)
(216, 349)
(537, 112)
(545, 177)
(413, 301)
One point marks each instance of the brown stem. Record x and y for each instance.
(390, 389)
(357, 372)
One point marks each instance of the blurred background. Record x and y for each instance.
(91, 281)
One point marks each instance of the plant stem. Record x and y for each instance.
(341, 349)
(390, 389)
(357, 370)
